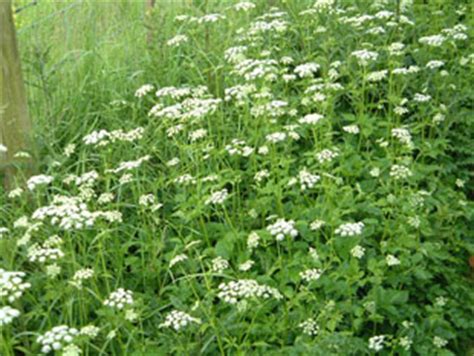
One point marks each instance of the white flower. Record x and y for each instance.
(253, 240)
(41, 179)
(178, 320)
(375, 172)
(7, 314)
(236, 291)
(364, 56)
(197, 134)
(434, 64)
(459, 183)
(178, 258)
(246, 265)
(405, 342)
(400, 172)
(3, 148)
(144, 90)
(310, 275)
(311, 119)
(244, 6)
(57, 338)
(119, 299)
(282, 228)
(392, 260)
(403, 136)
(358, 251)
(316, 225)
(218, 197)
(376, 342)
(261, 175)
(421, 98)
(80, 276)
(326, 155)
(276, 137)
(377, 76)
(177, 40)
(219, 264)
(71, 350)
(432, 41)
(353, 129)
(439, 342)
(307, 70)
(310, 327)
(350, 229)
(306, 180)
(15, 193)
(89, 331)
(440, 301)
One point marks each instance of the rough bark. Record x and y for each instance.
(15, 124)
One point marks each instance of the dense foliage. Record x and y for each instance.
(288, 180)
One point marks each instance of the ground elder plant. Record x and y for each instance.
(290, 190)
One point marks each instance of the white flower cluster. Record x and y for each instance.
(316, 224)
(326, 155)
(239, 147)
(72, 213)
(432, 41)
(41, 179)
(218, 197)
(353, 129)
(282, 228)
(7, 314)
(3, 148)
(307, 70)
(244, 6)
(377, 76)
(43, 253)
(350, 229)
(12, 285)
(310, 327)
(103, 137)
(185, 179)
(376, 342)
(439, 342)
(276, 137)
(149, 201)
(197, 135)
(403, 135)
(240, 93)
(253, 69)
(57, 338)
(392, 260)
(119, 299)
(358, 251)
(247, 265)
(400, 172)
(177, 40)
(253, 240)
(128, 166)
(219, 264)
(178, 320)
(311, 119)
(261, 175)
(310, 275)
(236, 291)
(364, 57)
(81, 275)
(144, 90)
(306, 180)
(178, 258)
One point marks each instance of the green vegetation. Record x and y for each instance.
(222, 178)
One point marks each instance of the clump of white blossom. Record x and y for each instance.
(12, 285)
(350, 229)
(178, 319)
(57, 338)
(376, 342)
(119, 299)
(218, 197)
(310, 327)
(236, 291)
(282, 228)
(7, 314)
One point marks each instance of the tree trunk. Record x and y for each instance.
(15, 124)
